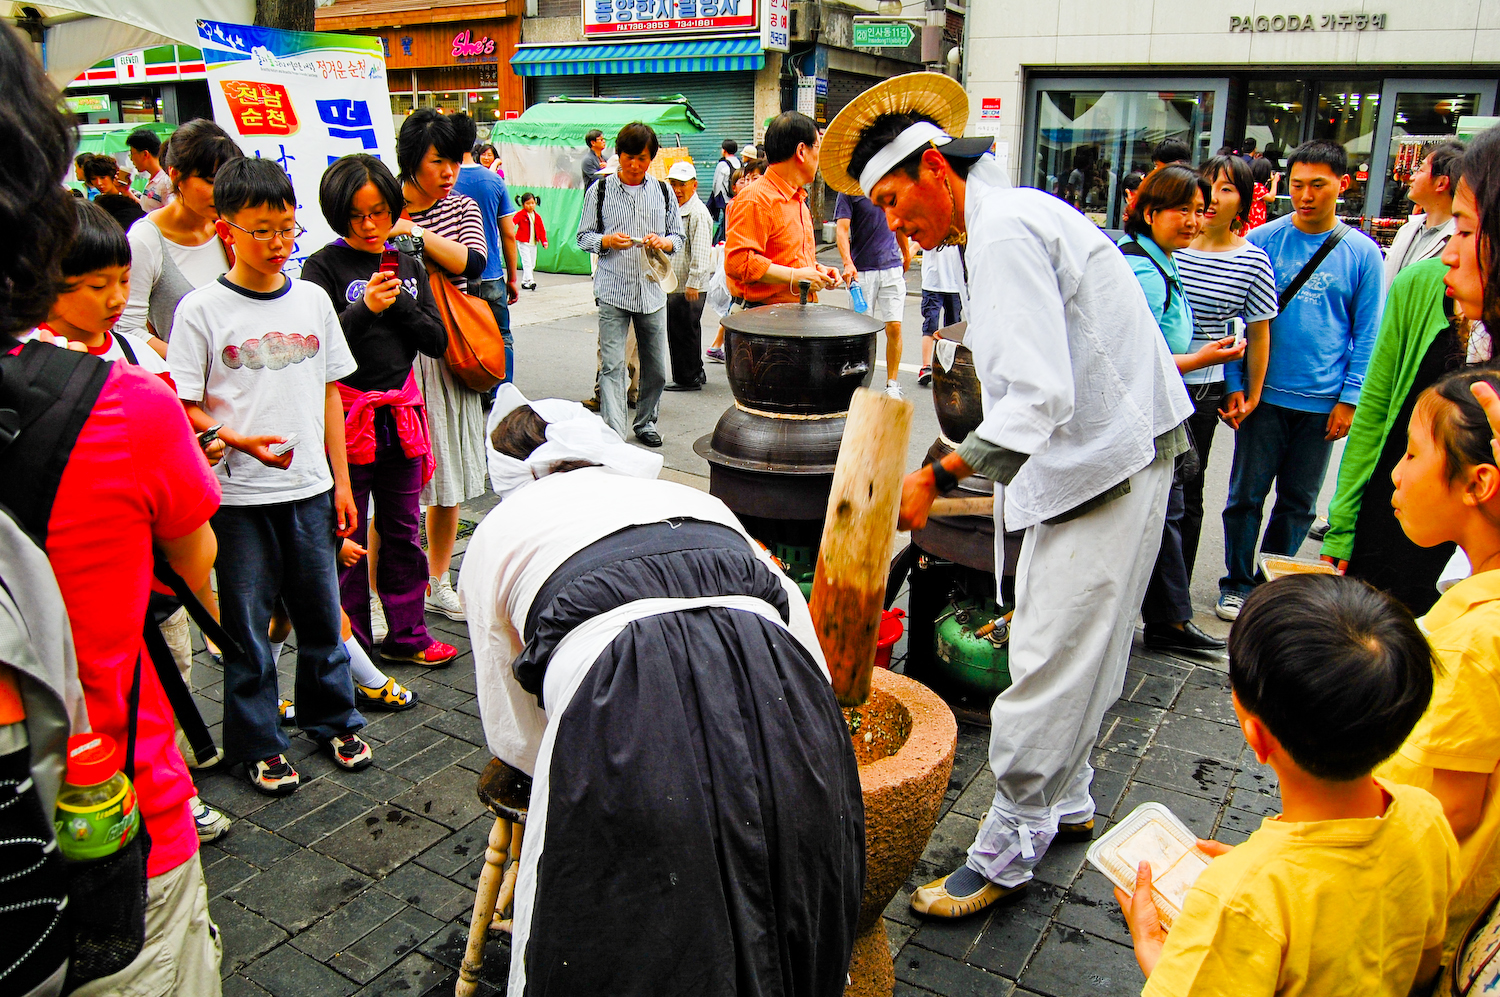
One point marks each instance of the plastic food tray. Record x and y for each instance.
(1275, 567)
(1152, 833)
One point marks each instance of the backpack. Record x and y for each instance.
(667, 201)
(1134, 248)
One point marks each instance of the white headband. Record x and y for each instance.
(573, 433)
(900, 147)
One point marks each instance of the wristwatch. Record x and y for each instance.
(944, 479)
(418, 232)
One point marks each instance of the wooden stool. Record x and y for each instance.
(506, 793)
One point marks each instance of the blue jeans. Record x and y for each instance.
(287, 550)
(651, 341)
(1273, 444)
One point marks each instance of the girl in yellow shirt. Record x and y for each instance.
(1448, 489)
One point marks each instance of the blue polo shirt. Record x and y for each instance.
(490, 193)
(871, 241)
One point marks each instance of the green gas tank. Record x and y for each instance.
(973, 645)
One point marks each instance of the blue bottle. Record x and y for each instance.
(857, 295)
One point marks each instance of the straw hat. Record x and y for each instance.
(939, 97)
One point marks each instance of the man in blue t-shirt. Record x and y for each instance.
(497, 285)
(877, 258)
(1320, 345)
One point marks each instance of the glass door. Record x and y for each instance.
(1414, 115)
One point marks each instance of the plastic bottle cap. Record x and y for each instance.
(92, 759)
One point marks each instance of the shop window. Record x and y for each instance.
(1421, 120)
(1347, 113)
(1273, 115)
(1087, 142)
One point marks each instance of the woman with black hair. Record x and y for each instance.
(176, 249)
(451, 231)
(1166, 217)
(1229, 283)
(389, 319)
(1435, 321)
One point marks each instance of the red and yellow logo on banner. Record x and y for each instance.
(260, 108)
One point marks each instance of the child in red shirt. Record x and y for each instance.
(529, 232)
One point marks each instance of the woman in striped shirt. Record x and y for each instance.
(428, 151)
(1226, 279)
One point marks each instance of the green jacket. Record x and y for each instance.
(1413, 318)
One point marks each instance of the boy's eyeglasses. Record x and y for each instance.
(384, 214)
(265, 234)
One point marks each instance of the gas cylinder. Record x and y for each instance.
(972, 638)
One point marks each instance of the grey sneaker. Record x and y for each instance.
(1228, 607)
(212, 824)
(442, 599)
(377, 619)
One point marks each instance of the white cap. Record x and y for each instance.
(682, 170)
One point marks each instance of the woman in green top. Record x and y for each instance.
(1166, 216)
(1419, 342)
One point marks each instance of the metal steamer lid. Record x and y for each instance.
(802, 322)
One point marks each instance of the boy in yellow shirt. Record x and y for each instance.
(1346, 892)
(1448, 490)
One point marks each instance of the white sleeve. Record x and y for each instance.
(341, 362)
(1017, 306)
(145, 271)
(187, 352)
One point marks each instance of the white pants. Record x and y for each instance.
(528, 262)
(1079, 587)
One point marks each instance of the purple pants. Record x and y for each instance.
(401, 574)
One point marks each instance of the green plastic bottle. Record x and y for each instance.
(97, 814)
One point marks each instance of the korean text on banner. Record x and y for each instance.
(302, 98)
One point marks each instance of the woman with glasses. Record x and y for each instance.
(175, 249)
(451, 230)
(389, 317)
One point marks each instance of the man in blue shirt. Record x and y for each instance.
(497, 285)
(877, 258)
(1320, 345)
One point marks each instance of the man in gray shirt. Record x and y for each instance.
(623, 215)
(593, 160)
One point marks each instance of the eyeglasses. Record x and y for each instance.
(384, 214)
(265, 234)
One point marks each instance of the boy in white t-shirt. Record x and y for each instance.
(942, 284)
(257, 354)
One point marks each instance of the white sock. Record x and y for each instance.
(276, 647)
(362, 668)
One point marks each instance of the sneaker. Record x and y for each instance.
(393, 697)
(378, 628)
(212, 824)
(351, 752)
(1228, 607)
(893, 389)
(715, 354)
(434, 655)
(286, 712)
(1318, 531)
(924, 376)
(274, 776)
(442, 599)
(191, 759)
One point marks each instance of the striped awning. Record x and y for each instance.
(687, 56)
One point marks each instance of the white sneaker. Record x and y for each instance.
(378, 626)
(184, 746)
(442, 599)
(212, 824)
(1228, 606)
(893, 389)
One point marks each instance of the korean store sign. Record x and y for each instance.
(303, 99)
(647, 18)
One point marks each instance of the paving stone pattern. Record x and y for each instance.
(362, 883)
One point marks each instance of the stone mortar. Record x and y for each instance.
(904, 739)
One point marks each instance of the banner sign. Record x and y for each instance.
(650, 18)
(302, 98)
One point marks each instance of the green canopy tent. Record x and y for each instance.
(543, 153)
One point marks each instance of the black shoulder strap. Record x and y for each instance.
(1134, 248)
(176, 689)
(126, 348)
(599, 206)
(46, 394)
(666, 198)
(1310, 267)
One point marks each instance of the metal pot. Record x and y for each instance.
(799, 359)
(956, 393)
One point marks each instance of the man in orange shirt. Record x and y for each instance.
(769, 249)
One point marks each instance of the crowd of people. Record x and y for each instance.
(181, 415)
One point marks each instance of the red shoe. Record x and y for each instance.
(436, 655)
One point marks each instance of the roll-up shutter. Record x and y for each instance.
(544, 87)
(725, 101)
(844, 87)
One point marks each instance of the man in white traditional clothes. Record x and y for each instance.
(696, 824)
(1083, 413)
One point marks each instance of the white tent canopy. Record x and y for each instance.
(82, 32)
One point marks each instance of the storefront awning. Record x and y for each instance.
(696, 56)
